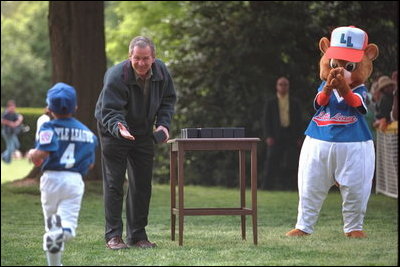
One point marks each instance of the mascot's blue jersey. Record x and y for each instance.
(339, 122)
(70, 143)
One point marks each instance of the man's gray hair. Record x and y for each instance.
(142, 42)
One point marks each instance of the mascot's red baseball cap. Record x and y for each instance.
(347, 43)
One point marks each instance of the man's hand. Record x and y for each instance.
(383, 124)
(270, 141)
(124, 132)
(165, 130)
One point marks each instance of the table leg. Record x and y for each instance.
(254, 190)
(242, 182)
(172, 178)
(181, 159)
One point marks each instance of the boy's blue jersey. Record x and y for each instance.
(339, 122)
(70, 143)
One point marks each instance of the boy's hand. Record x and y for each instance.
(37, 161)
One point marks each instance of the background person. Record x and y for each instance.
(386, 87)
(395, 108)
(11, 122)
(372, 101)
(45, 117)
(283, 135)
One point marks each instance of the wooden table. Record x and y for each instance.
(178, 147)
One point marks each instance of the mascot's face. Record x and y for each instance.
(359, 69)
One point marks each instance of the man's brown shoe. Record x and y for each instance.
(144, 244)
(115, 243)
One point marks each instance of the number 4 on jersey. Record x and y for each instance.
(68, 156)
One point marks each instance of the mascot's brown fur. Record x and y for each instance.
(331, 70)
(343, 75)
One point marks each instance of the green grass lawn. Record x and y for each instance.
(208, 240)
(17, 169)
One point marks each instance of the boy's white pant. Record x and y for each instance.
(322, 163)
(61, 193)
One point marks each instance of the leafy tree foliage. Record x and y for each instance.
(127, 19)
(225, 57)
(25, 53)
(233, 52)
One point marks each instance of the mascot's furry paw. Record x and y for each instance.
(296, 232)
(356, 234)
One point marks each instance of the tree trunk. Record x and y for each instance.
(78, 53)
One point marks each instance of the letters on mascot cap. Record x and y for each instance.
(347, 43)
(61, 98)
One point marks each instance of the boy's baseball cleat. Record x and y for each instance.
(53, 239)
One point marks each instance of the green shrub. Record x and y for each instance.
(27, 139)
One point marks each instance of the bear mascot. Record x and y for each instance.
(338, 148)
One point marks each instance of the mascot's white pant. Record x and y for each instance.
(322, 163)
(61, 193)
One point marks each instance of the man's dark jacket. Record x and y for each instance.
(272, 123)
(122, 100)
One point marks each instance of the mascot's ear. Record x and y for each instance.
(324, 44)
(372, 51)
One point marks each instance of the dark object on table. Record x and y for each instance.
(190, 133)
(238, 132)
(205, 133)
(216, 132)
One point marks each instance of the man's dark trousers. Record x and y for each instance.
(282, 162)
(138, 156)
